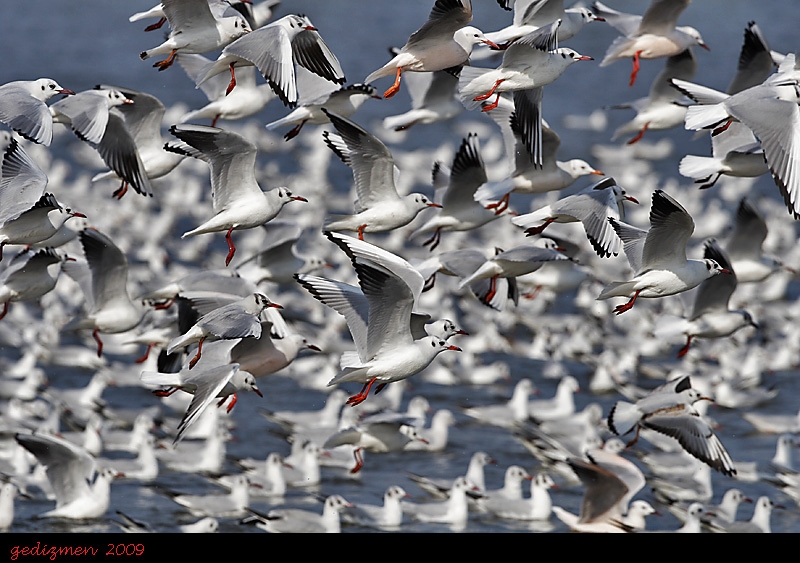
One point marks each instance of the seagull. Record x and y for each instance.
(453, 511)
(343, 101)
(81, 492)
(658, 256)
(207, 525)
(274, 49)
(379, 207)
(529, 64)
(386, 517)
(444, 42)
(374, 436)
(744, 245)
(195, 29)
(760, 521)
(225, 505)
(142, 121)
(460, 211)
(239, 202)
(23, 108)
(246, 100)
(651, 36)
(668, 410)
(28, 215)
(661, 109)
(379, 317)
(537, 507)
(440, 488)
(530, 15)
(591, 206)
(298, 521)
(508, 414)
(30, 275)
(104, 285)
(232, 321)
(710, 316)
(94, 117)
(525, 176)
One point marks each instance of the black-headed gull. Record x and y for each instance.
(228, 505)
(23, 108)
(104, 285)
(389, 516)
(29, 276)
(755, 61)
(668, 410)
(195, 29)
(238, 200)
(440, 488)
(759, 523)
(525, 176)
(529, 64)
(246, 100)
(143, 121)
(509, 413)
(445, 41)
(81, 492)
(374, 436)
(537, 507)
(379, 207)
(320, 93)
(658, 256)
(379, 317)
(274, 49)
(710, 317)
(744, 245)
(453, 511)
(460, 211)
(661, 109)
(239, 319)
(87, 112)
(651, 36)
(28, 215)
(591, 206)
(298, 521)
(530, 15)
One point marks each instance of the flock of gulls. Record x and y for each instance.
(132, 335)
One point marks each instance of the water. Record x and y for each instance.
(82, 44)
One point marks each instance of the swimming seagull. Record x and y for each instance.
(196, 28)
(591, 206)
(658, 256)
(298, 521)
(238, 200)
(651, 36)
(379, 207)
(274, 49)
(23, 108)
(444, 42)
(379, 317)
(668, 409)
(81, 492)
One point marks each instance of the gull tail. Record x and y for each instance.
(698, 167)
(668, 326)
(617, 289)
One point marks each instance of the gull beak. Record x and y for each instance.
(597, 173)
(66, 92)
(257, 391)
(598, 18)
(726, 271)
(585, 58)
(704, 46)
(313, 347)
(310, 28)
(754, 325)
(434, 205)
(299, 198)
(78, 214)
(127, 101)
(632, 199)
(274, 305)
(492, 44)
(454, 348)
(460, 331)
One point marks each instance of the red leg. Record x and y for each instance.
(638, 137)
(538, 230)
(214, 121)
(722, 128)
(164, 392)
(359, 461)
(494, 104)
(231, 246)
(635, 438)
(394, 88)
(5, 310)
(157, 25)
(166, 63)
(165, 305)
(488, 94)
(682, 352)
(361, 231)
(232, 403)
(146, 354)
(123, 189)
(500, 206)
(492, 291)
(361, 397)
(294, 132)
(232, 83)
(534, 293)
(96, 336)
(635, 70)
(196, 358)
(627, 306)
